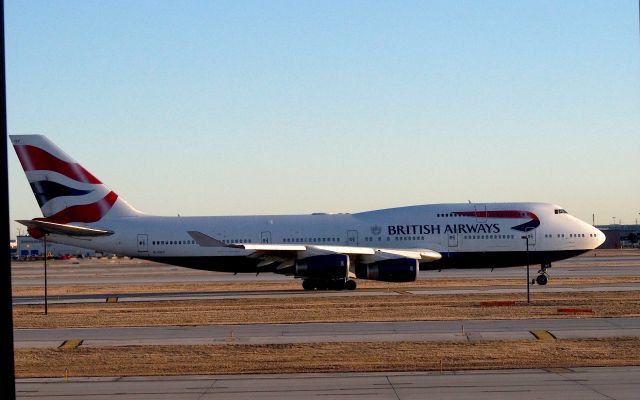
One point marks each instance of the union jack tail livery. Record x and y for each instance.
(65, 191)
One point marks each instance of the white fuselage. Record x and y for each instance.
(467, 235)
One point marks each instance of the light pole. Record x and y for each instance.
(526, 238)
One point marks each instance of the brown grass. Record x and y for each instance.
(324, 309)
(325, 357)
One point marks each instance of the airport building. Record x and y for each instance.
(620, 236)
(28, 247)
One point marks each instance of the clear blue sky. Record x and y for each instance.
(250, 107)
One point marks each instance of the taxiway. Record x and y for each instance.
(444, 331)
(124, 271)
(621, 383)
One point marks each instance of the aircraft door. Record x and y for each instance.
(143, 243)
(481, 212)
(265, 237)
(531, 234)
(352, 238)
(453, 240)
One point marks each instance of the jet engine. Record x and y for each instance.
(329, 266)
(392, 270)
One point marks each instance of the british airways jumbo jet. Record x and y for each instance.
(327, 251)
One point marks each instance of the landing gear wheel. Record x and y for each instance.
(541, 280)
(337, 285)
(350, 285)
(308, 284)
(543, 277)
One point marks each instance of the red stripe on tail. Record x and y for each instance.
(35, 159)
(85, 212)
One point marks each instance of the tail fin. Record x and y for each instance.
(65, 191)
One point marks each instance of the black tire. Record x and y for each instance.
(337, 285)
(541, 280)
(350, 285)
(308, 284)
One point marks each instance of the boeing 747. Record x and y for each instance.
(326, 251)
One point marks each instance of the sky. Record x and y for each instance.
(284, 107)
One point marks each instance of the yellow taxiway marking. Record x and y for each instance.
(543, 335)
(70, 344)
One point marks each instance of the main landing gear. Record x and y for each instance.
(543, 277)
(333, 284)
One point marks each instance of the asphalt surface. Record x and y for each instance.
(456, 331)
(122, 271)
(622, 383)
(114, 272)
(261, 294)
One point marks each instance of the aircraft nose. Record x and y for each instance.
(600, 237)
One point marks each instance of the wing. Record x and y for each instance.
(286, 254)
(369, 254)
(393, 265)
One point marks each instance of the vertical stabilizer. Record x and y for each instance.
(65, 191)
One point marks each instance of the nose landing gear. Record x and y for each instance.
(542, 279)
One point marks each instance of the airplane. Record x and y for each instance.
(326, 251)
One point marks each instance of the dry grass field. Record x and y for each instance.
(324, 357)
(325, 309)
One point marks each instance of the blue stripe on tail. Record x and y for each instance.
(47, 190)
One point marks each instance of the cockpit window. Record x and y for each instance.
(560, 211)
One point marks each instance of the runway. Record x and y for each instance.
(439, 331)
(124, 271)
(185, 296)
(621, 383)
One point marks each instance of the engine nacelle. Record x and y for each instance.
(329, 266)
(393, 270)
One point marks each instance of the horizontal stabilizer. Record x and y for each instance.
(45, 227)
